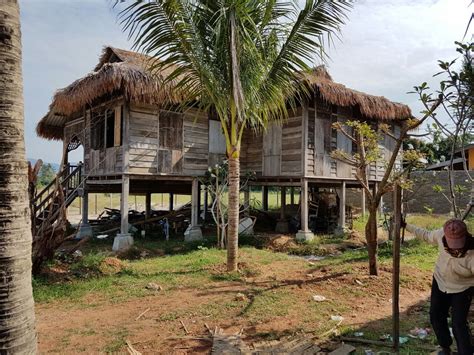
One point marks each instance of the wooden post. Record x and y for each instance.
(397, 217)
(342, 206)
(194, 231)
(283, 203)
(195, 203)
(110, 198)
(265, 198)
(206, 203)
(85, 207)
(124, 240)
(304, 233)
(363, 202)
(199, 203)
(247, 201)
(171, 201)
(148, 205)
(124, 204)
(136, 207)
(95, 198)
(292, 195)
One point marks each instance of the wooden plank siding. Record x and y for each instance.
(168, 143)
(196, 142)
(272, 150)
(143, 140)
(291, 147)
(325, 141)
(251, 154)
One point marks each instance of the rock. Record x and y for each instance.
(319, 298)
(153, 286)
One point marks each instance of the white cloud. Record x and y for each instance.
(387, 47)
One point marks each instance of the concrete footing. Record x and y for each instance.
(303, 236)
(192, 234)
(122, 242)
(85, 230)
(282, 226)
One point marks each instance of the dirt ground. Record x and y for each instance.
(173, 320)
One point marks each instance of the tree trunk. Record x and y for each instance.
(233, 212)
(17, 319)
(371, 236)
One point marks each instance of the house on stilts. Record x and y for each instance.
(135, 143)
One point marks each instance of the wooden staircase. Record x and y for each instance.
(47, 204)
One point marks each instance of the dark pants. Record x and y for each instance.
(459, 303)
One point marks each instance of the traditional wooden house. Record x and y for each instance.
(135, 143)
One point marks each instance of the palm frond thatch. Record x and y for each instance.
(127, 73)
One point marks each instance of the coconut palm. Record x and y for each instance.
(17, 320)
(242, 58)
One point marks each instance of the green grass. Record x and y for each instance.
(200, 267)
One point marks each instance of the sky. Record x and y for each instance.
(385, 48)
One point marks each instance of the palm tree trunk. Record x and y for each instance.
(371, 236)
(17, 319)
(233, 212)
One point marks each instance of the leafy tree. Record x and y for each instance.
(368, 153)
(241, 58)
(46, 175)
(456, 91)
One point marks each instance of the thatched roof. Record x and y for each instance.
(125, 72)
(376, 107)
(118, 70)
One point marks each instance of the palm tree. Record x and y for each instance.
(243, 58)
(17, 319)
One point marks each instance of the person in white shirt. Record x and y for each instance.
(453, 283)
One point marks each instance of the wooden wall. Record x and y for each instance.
(322, 139)
(170, 143)
(251, 154)
(164, 142)
(277, 151)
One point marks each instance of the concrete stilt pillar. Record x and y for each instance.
(265, 198)
(85, 229)
(194, 230)
(282, 224)
(123, 240)
(304, 234)
(148, 205)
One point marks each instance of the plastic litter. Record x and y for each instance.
(319, 298)
(401, 340)
(102, 236)
(420, 333)
(359, 334)
(337, 318)
(368, 352)
(77, 254)
(314, 257)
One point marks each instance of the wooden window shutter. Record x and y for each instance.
(117, 126)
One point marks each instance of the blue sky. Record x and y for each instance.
(387, 47)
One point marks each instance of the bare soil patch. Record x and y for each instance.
(278, 302)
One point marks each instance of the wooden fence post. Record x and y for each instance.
(397, 218)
